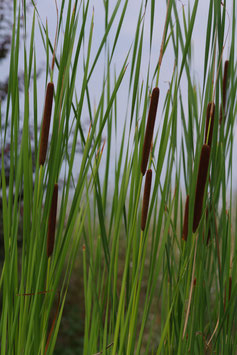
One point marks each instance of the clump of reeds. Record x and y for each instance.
(201, 183)
(185, 224)
(46, 122)
(149, 129)
(52, 221)
(146, 198)
(224, 89)
(210, 114)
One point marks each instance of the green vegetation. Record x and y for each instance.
(151, 284)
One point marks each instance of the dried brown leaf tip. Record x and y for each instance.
(185, 225)
(146, 198)
(46, 123)
(209, 123)
(149, 129)
(52, 221)
(224, 90)
(200, 186)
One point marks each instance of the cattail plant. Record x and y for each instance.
(200, 186)
(210, 114)
(52, 221)
(224, 89)
(149, 129)
(46, 123)
(185, 224)
(146, 197)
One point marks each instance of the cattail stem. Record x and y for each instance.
(53, 324)
(149, 129)
(146, 197)
(224, 90)
(46, 123)
(52, 221)
(200, 186)
(185, 224)
(230, 285)
(208, 225)
(210, 114)
(225, 78)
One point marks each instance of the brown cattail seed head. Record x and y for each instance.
(149, 129)
(201, 183)
(146, 197)
(52, 221)
(185, 225)
(46, 123)
(224, 89)
(209, 123)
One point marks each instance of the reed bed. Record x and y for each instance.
(157, 251)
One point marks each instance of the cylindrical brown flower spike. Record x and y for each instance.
(46, 123)
(224, 89)
(200, 186)
(185, 225)
(149, 129)
(146, 198)
(52, 221)
(209, 116)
